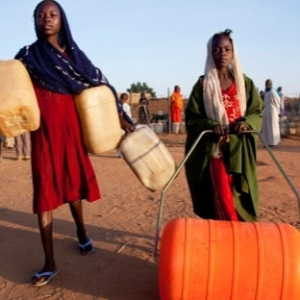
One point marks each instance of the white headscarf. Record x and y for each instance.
(213, 103)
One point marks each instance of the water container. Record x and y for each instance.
(182, 128)
(152, 126)
(283, 129)
(175, 127)
(148, 157)
(9, 142)
(292, 128)
(99, 118)
(19, 110)
(206, 259)
(159, 127)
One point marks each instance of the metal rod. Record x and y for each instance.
(296, 192)
(156, 238)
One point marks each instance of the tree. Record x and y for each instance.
(141, 88)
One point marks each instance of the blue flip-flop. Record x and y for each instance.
(48, 276)
(87, 248)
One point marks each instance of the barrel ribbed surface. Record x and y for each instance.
(216, 260)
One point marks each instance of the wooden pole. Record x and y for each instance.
(169, 104)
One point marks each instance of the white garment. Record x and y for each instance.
(127, 109)
(270, 122)
(10, 142)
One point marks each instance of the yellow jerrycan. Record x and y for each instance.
(99, 119)
(19, 110)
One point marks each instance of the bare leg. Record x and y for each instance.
(76, 210)
(46, 224)
(45, 220)
(85, 243)
(18, 145)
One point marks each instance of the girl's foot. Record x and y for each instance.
(43, 277)
(87, 248)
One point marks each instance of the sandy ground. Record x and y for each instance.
(122, 226)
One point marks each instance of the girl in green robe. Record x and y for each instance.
(221, 171)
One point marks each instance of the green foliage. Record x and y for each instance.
(141, 88)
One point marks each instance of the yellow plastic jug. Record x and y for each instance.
(99, 118)
(19, 110)
(148, 157)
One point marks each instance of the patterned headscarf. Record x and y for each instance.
(213, 103)
(55, 71)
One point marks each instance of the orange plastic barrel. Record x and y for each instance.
(19, 110)
(215, 260)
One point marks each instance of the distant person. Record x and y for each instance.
(127, 109)
(22, 144)
(176, 105)
(221, 171)
(270, 126)
(262, 94)
(125, 105)
(282, 99)
(143, 110)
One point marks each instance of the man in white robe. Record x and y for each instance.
(270, 125)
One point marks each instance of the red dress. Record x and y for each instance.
(61, 169)
(222, 180)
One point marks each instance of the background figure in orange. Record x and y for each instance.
(176, 105)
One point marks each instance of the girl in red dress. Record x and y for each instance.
(61, 169)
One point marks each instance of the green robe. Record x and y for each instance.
(240, 156)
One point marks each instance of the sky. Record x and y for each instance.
(163, 42)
